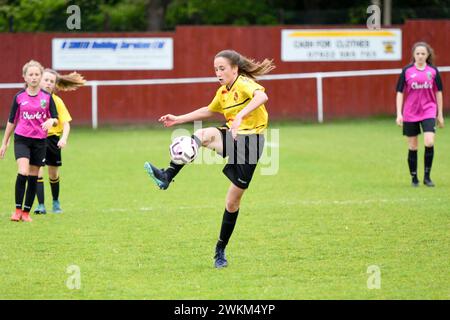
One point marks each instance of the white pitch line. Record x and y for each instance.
(292, 203)
(351, 202)
(145, 209)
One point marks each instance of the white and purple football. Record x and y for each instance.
(183, 150)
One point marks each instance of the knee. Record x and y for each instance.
(33, 172)
(413, 145)
(53, 175)
(429, 142)
(233, 204)
(53, 172)
(23, 169)
(202, 135)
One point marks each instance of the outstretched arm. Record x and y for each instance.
(202, 113)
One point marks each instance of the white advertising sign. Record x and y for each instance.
(112, 54)
(341, 45)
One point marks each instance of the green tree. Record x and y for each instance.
(51, 15)
(156, 11)
(156, 15)
(234, 12)
(31, 15)
(127, 15)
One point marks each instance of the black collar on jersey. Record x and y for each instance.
(233, 83)
(35, 94)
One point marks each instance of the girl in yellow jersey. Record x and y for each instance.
(241, 100)
(57, 136)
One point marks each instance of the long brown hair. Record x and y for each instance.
(246, 66)
(430, 51)
(67, 82)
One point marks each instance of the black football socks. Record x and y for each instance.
(54, 184)
(31, 193)
(412, 163)
(228, 223)
(173, 170)
(197, 140)
(40, 190)
(428, 161)
(21, 182)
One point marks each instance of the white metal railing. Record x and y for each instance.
(319, 76)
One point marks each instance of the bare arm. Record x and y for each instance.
(63, 141)
(440, 105)
(259, 98)
(199, 114)
(399, 105)
(5, 142)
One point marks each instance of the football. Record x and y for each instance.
(183, 150)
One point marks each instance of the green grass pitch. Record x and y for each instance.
(340, 204)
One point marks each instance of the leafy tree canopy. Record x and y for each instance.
(142, 15)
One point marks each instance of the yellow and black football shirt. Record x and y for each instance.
(231, 101)
(63, 116)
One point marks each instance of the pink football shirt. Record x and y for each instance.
(419, 88)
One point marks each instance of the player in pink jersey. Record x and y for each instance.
(419, 94)
(33, 113)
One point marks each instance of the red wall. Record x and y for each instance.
(194, 49)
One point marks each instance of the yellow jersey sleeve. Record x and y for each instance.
(248, 87)
(63, 116)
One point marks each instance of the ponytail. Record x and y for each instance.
(246, 66)
(67, 82)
